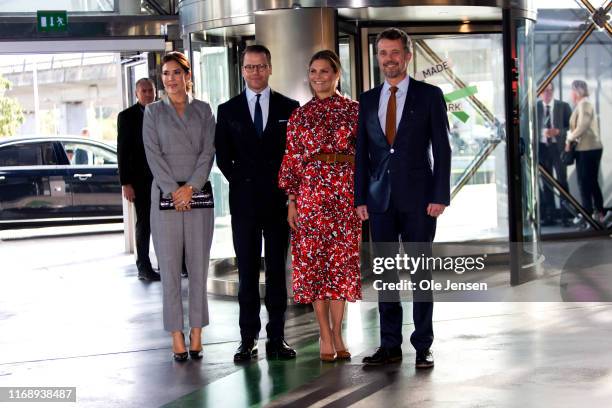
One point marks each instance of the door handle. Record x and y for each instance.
(82, 176)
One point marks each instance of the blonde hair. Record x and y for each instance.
(580, 87)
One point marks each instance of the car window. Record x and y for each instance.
(81, 154)
(27, 154)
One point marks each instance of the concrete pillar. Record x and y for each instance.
(293, 35)
(76, 117)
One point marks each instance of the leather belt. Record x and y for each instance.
(333, 158)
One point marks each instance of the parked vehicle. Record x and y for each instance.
(57, 181)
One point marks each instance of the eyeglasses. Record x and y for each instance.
(258, 67)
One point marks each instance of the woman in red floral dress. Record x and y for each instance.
(317, 173)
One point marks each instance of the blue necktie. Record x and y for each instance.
(258, 121)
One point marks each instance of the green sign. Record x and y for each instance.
(51, 21)
(460, 94)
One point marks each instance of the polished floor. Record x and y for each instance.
(72, 313)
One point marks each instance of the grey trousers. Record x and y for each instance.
(175, 233)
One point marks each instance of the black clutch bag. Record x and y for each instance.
(568, 158)
(200, 198)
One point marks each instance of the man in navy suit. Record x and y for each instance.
(399, 186)
(250, 141)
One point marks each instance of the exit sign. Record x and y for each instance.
(51, 21)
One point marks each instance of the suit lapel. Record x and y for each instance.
(374, 112)
(180, 123)
(245, 115)
(557, 115)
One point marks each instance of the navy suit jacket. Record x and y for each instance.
(416, 169)
(133, 165)
(560, 120)
(249, 163)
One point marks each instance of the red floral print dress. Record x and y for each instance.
(325, 247)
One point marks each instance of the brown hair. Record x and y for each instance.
(329, 56)
(183, 62)
(395, 34)
(256, 49)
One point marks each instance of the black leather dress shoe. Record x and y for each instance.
(246, 350)
(278, 348)
(148, 275)
(424, 359)
(384, 356)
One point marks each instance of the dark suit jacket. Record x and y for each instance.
(560, 120)
(405, 169)
(133, 166)
(249, 163)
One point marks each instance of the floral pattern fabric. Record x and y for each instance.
(325, 247)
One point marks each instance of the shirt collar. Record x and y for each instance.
(402, 87)
(250, 94)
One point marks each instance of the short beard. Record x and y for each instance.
(393, 74)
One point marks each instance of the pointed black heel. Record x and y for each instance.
(194, 354)
(180, 357)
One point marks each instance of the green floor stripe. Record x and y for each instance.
(259, 383)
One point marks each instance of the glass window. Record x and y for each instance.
(346, 50)
(91, 80)
(27, 154)
(559, 25)
(591, 63)
(80, 154)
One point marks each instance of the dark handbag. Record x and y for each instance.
(569, 157)
(200, 198)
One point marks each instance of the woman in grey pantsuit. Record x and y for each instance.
(178, 134)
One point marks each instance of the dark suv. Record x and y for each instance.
(57, 181)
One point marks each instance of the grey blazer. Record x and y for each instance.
(178, 149)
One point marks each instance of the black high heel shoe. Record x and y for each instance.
(194, 354)
(180, 357)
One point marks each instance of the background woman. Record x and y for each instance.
(317, 173)
(584, 131)
(178, 133)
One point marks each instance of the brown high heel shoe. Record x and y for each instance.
(326, 357)
(343, 355)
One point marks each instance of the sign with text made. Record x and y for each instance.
(51, 21)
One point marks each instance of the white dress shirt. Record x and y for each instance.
(543, 124)
(400, 99)
(264, 101)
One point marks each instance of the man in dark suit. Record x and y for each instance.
(135, 174)
(250, 141)
(553, 123)
(397, 187)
